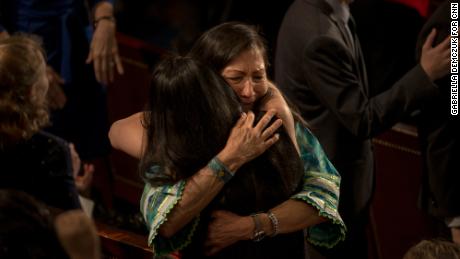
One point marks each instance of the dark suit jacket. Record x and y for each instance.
(325, 77)
(439, 135)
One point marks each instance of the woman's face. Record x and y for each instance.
(247, 76)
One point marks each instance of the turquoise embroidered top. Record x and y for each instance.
(320, 190)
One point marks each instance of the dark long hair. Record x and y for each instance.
(191, 113)
(221, 44)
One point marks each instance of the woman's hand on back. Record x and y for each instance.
(225, 229)
(247, 141)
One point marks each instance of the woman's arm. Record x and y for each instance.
(275, 100)
(317, 202)
(168, 209)
(103, 51)
(128, 135)
(244, 144)
(228, 228)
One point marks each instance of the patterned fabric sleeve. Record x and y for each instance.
(320, 190)
(156, 204)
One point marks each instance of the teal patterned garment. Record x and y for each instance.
(320, 190)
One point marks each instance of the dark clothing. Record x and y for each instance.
(42, 167)
(63, 25)
(320, 68)
(439, 135)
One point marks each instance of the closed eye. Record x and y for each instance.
(235, 79)
(258, 79)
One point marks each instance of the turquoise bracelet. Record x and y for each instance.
(220, 170)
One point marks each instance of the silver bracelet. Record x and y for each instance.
(275, 223)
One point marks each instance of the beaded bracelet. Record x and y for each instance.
(275, 223)
(105, 17)
(220, 170)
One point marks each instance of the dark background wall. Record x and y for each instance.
(387, 29)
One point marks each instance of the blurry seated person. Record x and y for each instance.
(32, 160)
(29, 229)
(78, 235)
(221, 183)
(433, 249)
(26, 228)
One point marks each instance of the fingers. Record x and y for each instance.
(242, 119)
(442, 51)
(249, 121)
(97, 69)
(115, 63)
(445, 44)
(246, 141)
(96, 55)
(269, 142)
(435, 61)
(89, 59)
(272, 129)
(265, 120)
(105, 66)
(104, 54)
(110, 67)
(118, 64)
(429, 40)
